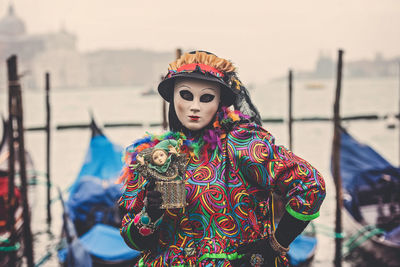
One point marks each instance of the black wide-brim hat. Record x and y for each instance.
(166, 87)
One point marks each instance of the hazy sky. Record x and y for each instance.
(263, 38)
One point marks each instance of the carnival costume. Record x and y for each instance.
(229, 183)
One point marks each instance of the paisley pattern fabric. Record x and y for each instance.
(228, 197)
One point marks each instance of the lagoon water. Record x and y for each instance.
(311, 140)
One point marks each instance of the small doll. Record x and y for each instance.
(163, 164)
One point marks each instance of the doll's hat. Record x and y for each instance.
(202, 65)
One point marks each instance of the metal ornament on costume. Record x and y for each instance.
(168, 176)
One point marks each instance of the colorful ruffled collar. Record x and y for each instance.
(199, 146)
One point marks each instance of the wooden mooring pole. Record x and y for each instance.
(11, 160)
(336, 164)
(17, 145)
(290, 109)
(48, 135)
(164, 115)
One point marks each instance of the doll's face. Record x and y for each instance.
(159, 157)
(196, 102)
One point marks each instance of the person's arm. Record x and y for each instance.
(288, 229)
(133, 238)
(278, 169)
(277, 245)
(140, 230)
(137, 198)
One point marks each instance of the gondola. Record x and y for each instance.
(371, 196)
(91, 217)
(11, 242)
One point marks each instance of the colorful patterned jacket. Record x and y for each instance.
(228, 197)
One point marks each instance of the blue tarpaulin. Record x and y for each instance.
(362, 169)
(103, 160)
(94, 185)
(92, 193)
(105, 242)
(302, 249)
(93, 200)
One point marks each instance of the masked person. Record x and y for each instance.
(232, 168)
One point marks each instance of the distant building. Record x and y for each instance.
(325, 67)
(53, 52)
(379, 67)
(57, 53)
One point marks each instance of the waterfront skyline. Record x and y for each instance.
(264, 39)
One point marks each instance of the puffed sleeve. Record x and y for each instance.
(131, 201)
(254, 155)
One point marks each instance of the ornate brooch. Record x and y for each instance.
(256, 260)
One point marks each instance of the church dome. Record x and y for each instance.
(11, 25)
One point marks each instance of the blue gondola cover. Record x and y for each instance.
(362, 169)
(101, 238)
(92, 202)
(302, 249)
(103, 160)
